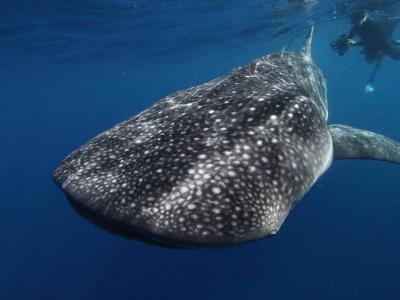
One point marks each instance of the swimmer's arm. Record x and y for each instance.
(353, 43)
(395, 20)
(359, 43)
(349, 38)
(352, 32)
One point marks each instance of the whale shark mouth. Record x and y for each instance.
(137, 234)
(122, 230)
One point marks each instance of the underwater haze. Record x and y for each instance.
(70, 70)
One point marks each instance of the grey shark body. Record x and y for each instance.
(217, 164)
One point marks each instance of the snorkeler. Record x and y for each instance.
(375, 35)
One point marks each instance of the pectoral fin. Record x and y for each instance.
(352, 143)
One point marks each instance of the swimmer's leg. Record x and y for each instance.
(370, 85)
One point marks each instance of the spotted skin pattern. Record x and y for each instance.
(217, 164)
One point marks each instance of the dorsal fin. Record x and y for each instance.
(306, 49)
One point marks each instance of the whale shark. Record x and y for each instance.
(217, 164)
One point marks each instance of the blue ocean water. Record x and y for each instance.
(71, 69)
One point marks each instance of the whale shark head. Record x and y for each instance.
(217, 164)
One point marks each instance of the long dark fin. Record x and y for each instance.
(352, 143)
(306, 49)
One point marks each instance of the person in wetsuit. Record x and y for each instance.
(375, 36)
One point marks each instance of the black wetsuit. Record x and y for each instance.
(376, 37)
